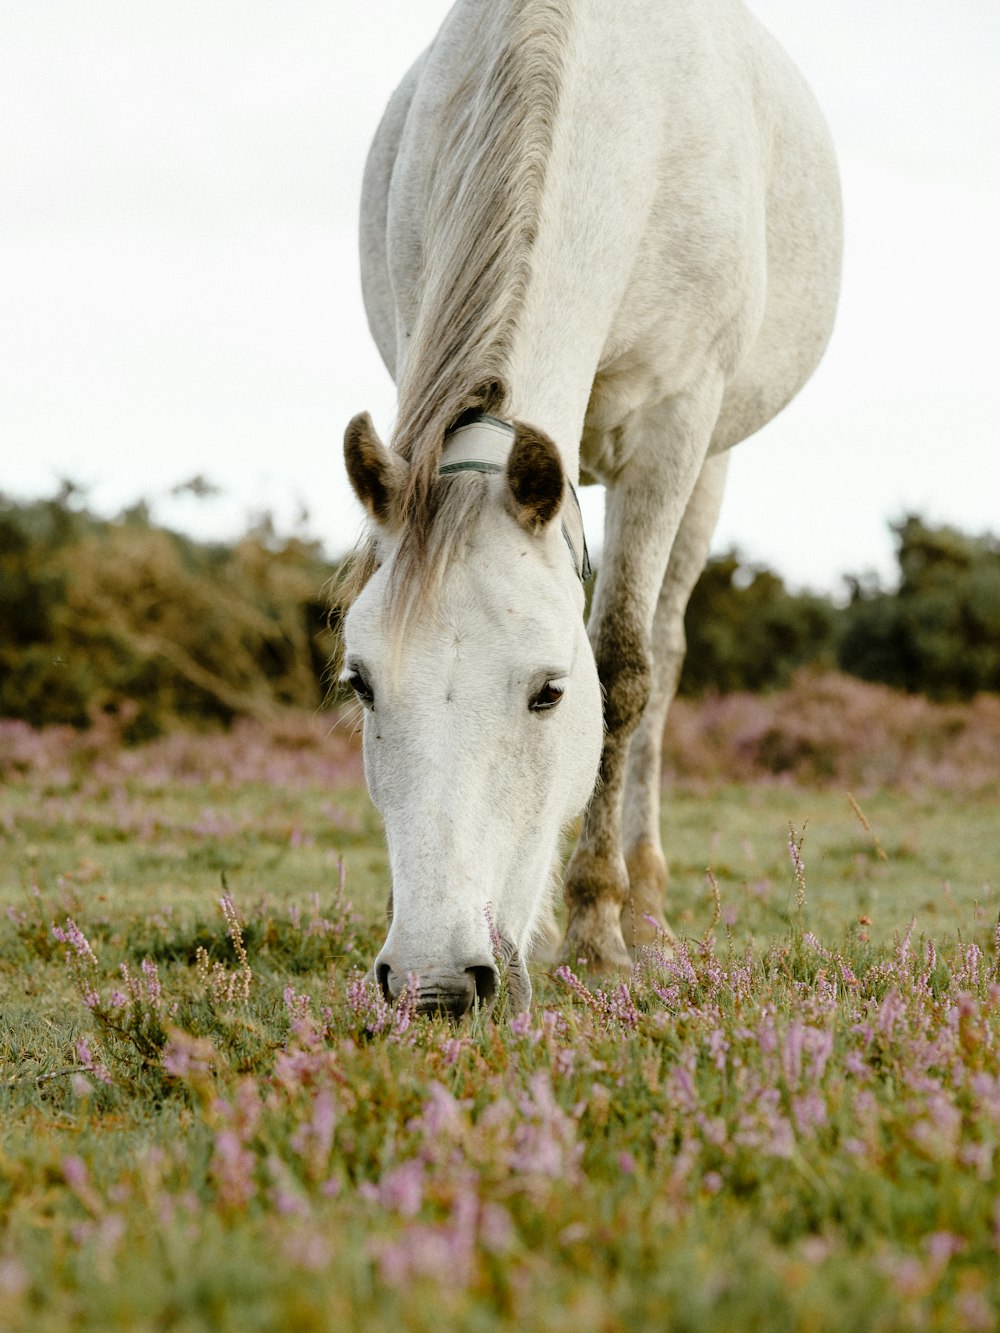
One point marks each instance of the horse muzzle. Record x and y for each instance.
(453, 992)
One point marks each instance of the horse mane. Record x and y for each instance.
(483, 206)
(484, 202)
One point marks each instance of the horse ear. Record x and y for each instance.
(377, 475)
(535, 479)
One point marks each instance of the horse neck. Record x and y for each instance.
(598, 189)
(535, 195)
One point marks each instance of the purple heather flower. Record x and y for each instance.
(402, 1189)
(232, 1168)
(496, 941)
(72, 935)
(84, 1055)
(154, 987)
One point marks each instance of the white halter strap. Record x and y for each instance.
(481, 443)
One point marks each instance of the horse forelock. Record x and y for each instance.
(416, 568)
(493, 140)
(422, 556)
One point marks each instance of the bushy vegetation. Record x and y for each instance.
(830, 729)
(208, 1119)
(126, 617)
(746, 631)
(939, 633)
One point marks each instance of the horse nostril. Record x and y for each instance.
(441, 990)
(485, 981)
(382, 971)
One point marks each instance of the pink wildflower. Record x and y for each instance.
(564, 1061)
(809, 1111)
(890, 1012)
(296, 1006)
(441, 1115)
(83, 1054)
(855, 1065)
(545, 1140)
(285, 1194)
(402, 1189)
(791, 1053)
(451, 1049)
(942, 1246)
(718, 1047)
(496, 1230)
(154, 987)
(77, 1177)
(232, 1168)
(496, 941)
(681, 1089)
(189, 1058)
(14, 1278)
(72, 935)
(313, 1139)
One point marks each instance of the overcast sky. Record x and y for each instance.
(178, 276)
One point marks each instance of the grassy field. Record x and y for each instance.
(207, 1120)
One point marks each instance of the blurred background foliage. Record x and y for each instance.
(746, 631)
(937, 634)
(122, 618)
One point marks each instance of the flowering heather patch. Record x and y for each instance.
(301, 750)
(780, 1134)
(831, 729)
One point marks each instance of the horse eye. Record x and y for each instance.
(547, 697)
(362, 689)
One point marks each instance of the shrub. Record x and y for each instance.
(746, 631)
(126, 617)
(940, 632)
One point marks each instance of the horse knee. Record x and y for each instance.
(625, 667)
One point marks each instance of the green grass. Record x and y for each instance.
(933, 857)
(793, 1124)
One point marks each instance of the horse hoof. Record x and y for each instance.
(598, 952)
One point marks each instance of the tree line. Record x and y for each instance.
(937, 632)
(125, 617)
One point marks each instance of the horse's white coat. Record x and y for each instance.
(683, 276)
(473, 787)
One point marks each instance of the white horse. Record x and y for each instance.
(601, 243)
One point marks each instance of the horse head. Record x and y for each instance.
(482, 707)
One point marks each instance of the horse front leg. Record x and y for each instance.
(663, 458)
(644, 859)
